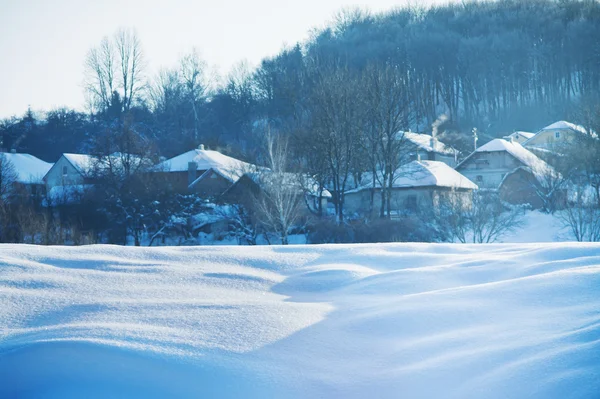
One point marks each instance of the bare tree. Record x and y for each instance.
(337, 123)
(582, 215)
(116, 66)
(389, 111)
(278, 204)
(193, 75)
(484, 219)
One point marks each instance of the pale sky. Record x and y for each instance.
(43, 43)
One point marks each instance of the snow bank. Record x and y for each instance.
(386, 321)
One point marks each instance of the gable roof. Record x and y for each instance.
(565, 125)
(206, 159)
(517, 151)
(29, 169)
(527, 135)
(426, 174)
(424, 142)
(82, 162)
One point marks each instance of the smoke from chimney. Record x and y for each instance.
(438, 122)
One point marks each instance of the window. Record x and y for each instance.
(479, 179)
(64, 171)
(557, 135)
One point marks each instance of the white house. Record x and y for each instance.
(417, 184)
(69, 177)
(489, 164)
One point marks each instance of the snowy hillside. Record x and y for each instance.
(385, 321)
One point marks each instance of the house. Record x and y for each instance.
(29, 171)
(555, 135)
(253, 184)
(417, 185)
(69, 170)
(201, 171)
(519, 136)
(426, 147)
(507, 166)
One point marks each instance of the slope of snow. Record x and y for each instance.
(352, 321)
(206, 159)
(538, 166)
(565, 125)
(423, 174)
(29, 169)
(82, 162)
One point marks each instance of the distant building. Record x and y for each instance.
(29, 170)
(201, 171)
(69, 178)
(417, 185)
(519, 137)
(510, 168)
(555, 135)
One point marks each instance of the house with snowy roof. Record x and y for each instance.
(554, 136)
(519, 136)
(29, 171)
(201, 171)
(417, 185)
(426, 147)
(69, 178)
(517, 173)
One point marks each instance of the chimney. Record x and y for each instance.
(192, 166)
(474, 138)
(201, 147)
(433, 143)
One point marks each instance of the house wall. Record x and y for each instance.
(519, 188)
(57, 177)
(487, 169)
(212, 185)
(547, 138)
(177, 181)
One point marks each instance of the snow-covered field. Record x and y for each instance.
(377, 321)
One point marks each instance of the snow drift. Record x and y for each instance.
(405, 320)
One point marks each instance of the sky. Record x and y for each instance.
(43, 43)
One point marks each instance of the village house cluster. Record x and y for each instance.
(511, 166)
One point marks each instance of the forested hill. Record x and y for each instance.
(497, 66)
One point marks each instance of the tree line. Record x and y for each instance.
(340, 98)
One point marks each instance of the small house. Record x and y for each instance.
(519, 136)
(553, 136)
(205, 172)
(417, 185)
(29, 172)
(518, 174)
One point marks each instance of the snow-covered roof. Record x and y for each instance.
(424, 142)
(426, 174)
(82, 162)
(565, 125)
(206, 159)
(523, 155)
(527, 135)
(29, 169)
